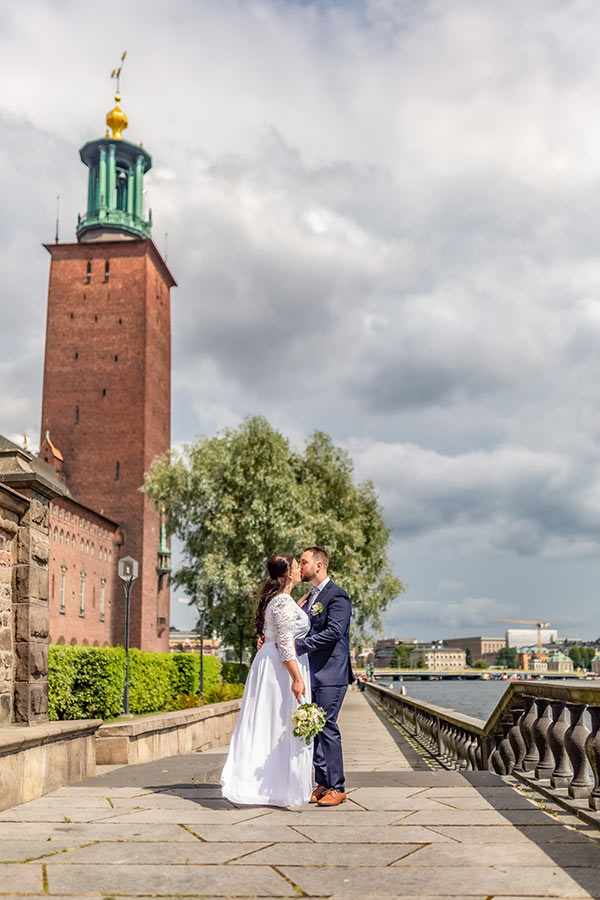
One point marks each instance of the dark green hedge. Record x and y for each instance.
(231, 672)
(88, 682)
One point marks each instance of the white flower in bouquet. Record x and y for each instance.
(308, 720)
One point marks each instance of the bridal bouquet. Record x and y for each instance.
(308, 720)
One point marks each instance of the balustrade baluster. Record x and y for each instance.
(546, 763)
(562, 774)
(495, 762)
(505, 749)
(592, 750)
(575, 738)
(516, 739)
(532, 756)
(463, 748)
(472, 747)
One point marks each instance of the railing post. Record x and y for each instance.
(545, 766)
(575, 738)
(532, 756)
(516, 739)
(563, 772)
(592, 750)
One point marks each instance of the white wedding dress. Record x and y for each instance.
(266, 763)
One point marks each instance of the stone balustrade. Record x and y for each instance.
(545, 733)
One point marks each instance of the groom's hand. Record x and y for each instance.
(303, 600)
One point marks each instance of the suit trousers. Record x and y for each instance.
(327, 750)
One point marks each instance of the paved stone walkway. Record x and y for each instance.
(163, 830)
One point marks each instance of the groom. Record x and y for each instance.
(328, 646)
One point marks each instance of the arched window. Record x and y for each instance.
(62, 536)
(73, 539)
(81, 545)
(92, 550)
(73, 642)
(67, 539)
(106, 270)
(87, 546)
(61, 639)
(55, 533)
(88, 272)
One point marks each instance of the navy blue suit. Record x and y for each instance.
(328, 646)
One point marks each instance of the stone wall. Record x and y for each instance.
(26, 487)
(12, 508)
(30, 607)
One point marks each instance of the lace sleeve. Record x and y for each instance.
(284, 622)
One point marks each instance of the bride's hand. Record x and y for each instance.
(298, 689)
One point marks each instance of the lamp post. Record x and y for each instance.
(201, 607)
(128, 572)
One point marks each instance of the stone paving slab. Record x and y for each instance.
(531, 816)
(20, 878)
(385, 834)
(230, 881)
(362, 854)
(157, 853)
(516, 854)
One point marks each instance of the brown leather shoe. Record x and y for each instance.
(332, 798)
(318, 792)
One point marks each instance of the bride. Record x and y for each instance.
(266, 763)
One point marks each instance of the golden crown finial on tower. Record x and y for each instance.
(116, 118)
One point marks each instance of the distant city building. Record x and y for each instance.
(189, 642)
(559, 662)
(595, 665)
(525, 637)
(436, 657)
(384, 650)
(486, 648)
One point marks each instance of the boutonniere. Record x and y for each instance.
(316, 609)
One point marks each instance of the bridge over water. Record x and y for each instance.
(425, 817)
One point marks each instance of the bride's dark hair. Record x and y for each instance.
(278, 568)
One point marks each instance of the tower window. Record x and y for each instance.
(106, 270)
(116, 358)
(72, 315)
(95, 318)
(88, 272)
(76, 355)
(104, 392)
(77, 415)
(117, 470)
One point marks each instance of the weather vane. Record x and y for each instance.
(116, 73)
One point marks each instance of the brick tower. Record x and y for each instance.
(107, 370)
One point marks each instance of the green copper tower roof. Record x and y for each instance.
(116, 170)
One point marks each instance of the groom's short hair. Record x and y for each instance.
(319, 555)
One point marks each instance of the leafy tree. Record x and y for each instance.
(421, 664)
(401, 657)
(468, 657)
(347, 520)
(507, 657)
(237, 498)
(480, 664)
(582, 656)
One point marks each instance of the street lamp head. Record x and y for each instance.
(128, 568)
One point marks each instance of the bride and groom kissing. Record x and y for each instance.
(304, 654)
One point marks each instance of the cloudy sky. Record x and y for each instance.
(383, 216)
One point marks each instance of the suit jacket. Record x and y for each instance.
(328, 640)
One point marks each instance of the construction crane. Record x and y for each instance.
(539, 626)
